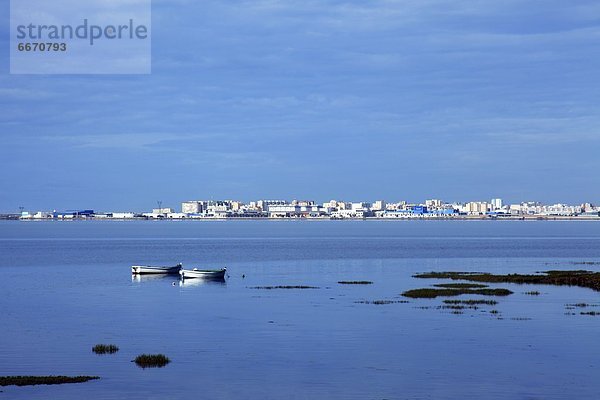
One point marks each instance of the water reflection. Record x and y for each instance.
(154, 278)
(192, 282)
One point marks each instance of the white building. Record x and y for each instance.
(476, 208)
(361, 206)
(191, 207)
(122, 215)
(283, 211)
(433, 203)
(379, 205)
(165, 210)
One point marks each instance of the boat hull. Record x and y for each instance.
(150, 270)
(202, 274)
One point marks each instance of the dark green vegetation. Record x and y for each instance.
(152, 360)
(589, 313)
(43, 380)
(455, 307)
(532, 293)
(380, 302)
(355, 282)
(429, 293)
(494, 312)
(472, 302)
(105, 349)
(580, 278)
(582, 305)
(285, 287)
(460, 285)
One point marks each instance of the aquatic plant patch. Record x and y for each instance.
(381, 302)
(593, 313)
(355, 282)
(105, 349)
(472, 302)
(285, 287)
(581, 278)
(43, 380)
(460, 285)
(430, 293)
(152, 360)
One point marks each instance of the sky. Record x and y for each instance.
(320, 99)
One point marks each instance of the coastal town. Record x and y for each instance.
(334, 209)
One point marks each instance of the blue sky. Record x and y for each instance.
(400, 100)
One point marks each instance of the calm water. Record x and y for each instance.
(67, 286)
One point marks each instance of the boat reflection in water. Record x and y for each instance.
(154, 278)
(201, 282)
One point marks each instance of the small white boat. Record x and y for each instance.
(148, 269)
(203, 273)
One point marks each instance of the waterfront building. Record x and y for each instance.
(496, 204)
(121, 215)
(284, 211)
(476, 208)
(434, 203)
(361, 206)
(263, 205)
(162, 211)
(378, 205)
(191, 207)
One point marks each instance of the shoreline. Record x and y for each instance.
(459, 218)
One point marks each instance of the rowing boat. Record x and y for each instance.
(148, 269)
(203, 273)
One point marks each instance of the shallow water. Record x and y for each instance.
(66, 286)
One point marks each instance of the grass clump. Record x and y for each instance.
(151, 360)
(532, 293)
(381, 302)
(285, 287)
(494, 312)
(43, 380)
(590, 313)
(453, 307)
(355, 282)
(429, 293)
(471, 302)
(105, 349)
(581, 278)
(581, 305)
(460, 285)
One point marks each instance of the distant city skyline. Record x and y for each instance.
(492, 203)
(397, 100)
(332, 209)
(147, 205)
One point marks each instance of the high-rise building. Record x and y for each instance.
(496, 204)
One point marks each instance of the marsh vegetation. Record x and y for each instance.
(430, 293)
(381, 302)
(582, 278)
(105, 349)
(285, 287)
(151, 360)
(43, 380)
